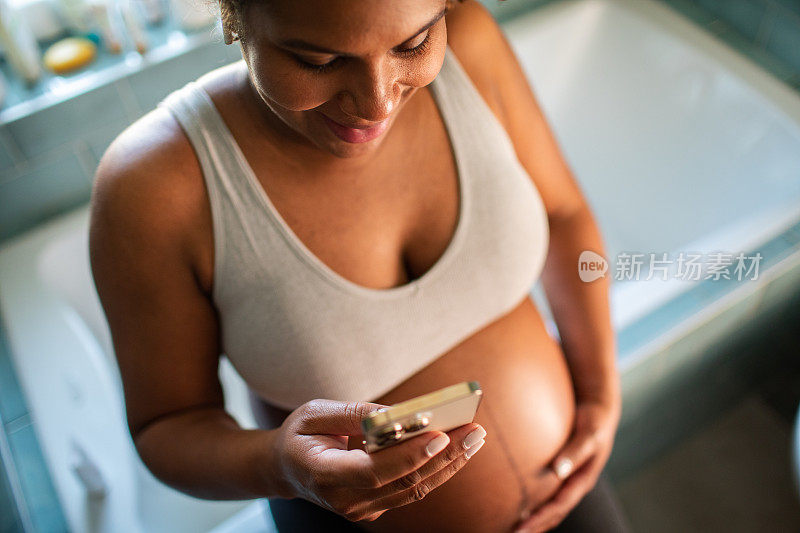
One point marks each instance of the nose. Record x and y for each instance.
(373, 93)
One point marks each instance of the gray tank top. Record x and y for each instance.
(296, 330)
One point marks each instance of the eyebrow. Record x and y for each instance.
(311, 47)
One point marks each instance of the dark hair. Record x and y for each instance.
(230, 13)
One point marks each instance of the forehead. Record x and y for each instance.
(342, 24)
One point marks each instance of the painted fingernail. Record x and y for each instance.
(474, 436)
(563, 467)
(469, 453)
(436, 445)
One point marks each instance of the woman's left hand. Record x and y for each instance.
(579, 463)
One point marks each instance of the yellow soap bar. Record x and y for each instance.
(69, 54)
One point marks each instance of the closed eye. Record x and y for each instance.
(420, 49)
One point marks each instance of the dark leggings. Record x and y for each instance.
(598, 512)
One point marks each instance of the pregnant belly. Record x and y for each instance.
(527, 410)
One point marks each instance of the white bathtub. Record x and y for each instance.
(61, 348)
(679, 144)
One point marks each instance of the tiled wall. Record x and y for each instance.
(48, 159)
(28, 500)
(768, 31)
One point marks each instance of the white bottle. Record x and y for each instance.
(134, 25)
(22, 50)
(76, 15)
(152, 10)
(102, 18)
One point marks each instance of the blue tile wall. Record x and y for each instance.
(784, 40)
(6, 161)
(9, 519)
(62, 123)
(151, 86)
(746, 16)
(770, 28)
(24, 460)
(48, 158)
(37, 486)
(12, 406)
(49, 186)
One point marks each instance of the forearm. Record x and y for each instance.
(581, 310)
(206, 454)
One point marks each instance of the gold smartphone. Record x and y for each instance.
(440, 410)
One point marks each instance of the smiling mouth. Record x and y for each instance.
(355, 134)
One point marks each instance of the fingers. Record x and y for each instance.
(454, 451)
(378, 469)
(330, 417)
(567, 498)
(580, 448)
(413, 488)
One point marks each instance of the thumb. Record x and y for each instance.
(575, 453)
(333, 417)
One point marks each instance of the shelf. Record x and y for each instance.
(166, 42)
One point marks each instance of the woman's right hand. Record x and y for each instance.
(312, 457)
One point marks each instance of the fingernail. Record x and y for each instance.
(563, 467)
(474, 436)
(436, 445)
(469, 453)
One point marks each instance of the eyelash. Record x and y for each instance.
(421, 48)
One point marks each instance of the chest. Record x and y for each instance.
(378, 229)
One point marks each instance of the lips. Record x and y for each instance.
(355, 134)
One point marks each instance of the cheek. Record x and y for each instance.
(286, 85)
(293, 95)
(426, 70)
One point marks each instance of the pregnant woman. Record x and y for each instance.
(355, 214)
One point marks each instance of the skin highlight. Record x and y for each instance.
(370, 81)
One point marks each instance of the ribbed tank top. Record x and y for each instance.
(296, 330)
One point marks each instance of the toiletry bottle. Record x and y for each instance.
(102, 18)
(21, 48)
(76, 15)
(134, 25)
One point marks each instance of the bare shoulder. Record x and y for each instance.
(148, 190)
(151, 158)
(479, 44)
(488, 58)
(150, 174)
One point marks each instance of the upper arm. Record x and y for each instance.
(492, 64)
(163, 326)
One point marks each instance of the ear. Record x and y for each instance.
(229, 15)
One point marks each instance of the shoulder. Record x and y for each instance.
(150, 157)
(479, 44)
(490, 61)
(148, 187)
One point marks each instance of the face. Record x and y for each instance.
(338, 72)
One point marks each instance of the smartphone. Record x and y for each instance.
(440, 410)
